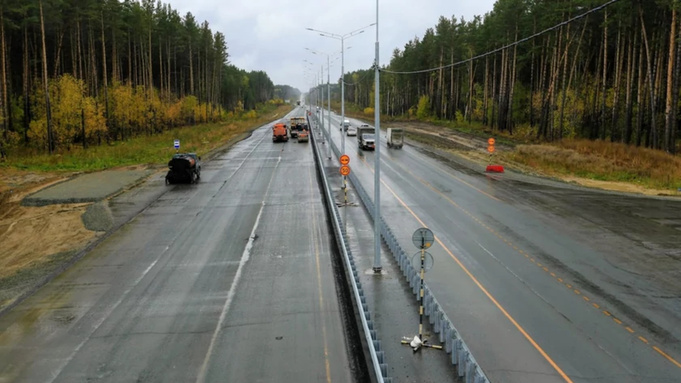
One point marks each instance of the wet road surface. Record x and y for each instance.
(226, 280)
(546, 282)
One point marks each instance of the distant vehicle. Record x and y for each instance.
(395, 138)
(279, 133)
(367, 141)
(303, 136)
(346, 124)
(352, 131)
(184, 167)
(298, 103)
(362, 129)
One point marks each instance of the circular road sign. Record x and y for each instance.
(344, 159)
(490, 148)
(491, 141)
(423, 238)
(428, 261)
(345, 170)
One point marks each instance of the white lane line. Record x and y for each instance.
(245, 256)
(55, 374)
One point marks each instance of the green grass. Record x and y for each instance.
(156, 149)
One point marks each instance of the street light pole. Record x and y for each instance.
(328, 89)
(377, 165)
(342, 40)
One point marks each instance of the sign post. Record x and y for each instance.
(490, 148)
(345, 171)
(423, 239)
(176, 144)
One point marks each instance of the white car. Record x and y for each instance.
(352, 131)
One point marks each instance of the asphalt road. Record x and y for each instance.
(546, 282)
(230, 279)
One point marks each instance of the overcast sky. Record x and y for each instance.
(271, 35)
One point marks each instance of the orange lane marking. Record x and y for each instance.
(496, 303)
(487, 293)
(546, 269)
(577, 292)
(596, 305)
(667, 356)
(569, 286)
(553, 275)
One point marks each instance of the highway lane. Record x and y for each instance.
(538, 294)
(226, 280)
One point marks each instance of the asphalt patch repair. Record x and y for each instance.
(90, 187)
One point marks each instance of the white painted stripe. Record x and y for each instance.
(55, 374)
(230, 295)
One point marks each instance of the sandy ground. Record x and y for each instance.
(29, 235)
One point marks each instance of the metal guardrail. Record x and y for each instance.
(466, 365)
(380, 367)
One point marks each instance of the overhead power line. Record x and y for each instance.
(596, 9)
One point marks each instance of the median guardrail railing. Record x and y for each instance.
(466, 366)
(379, 364)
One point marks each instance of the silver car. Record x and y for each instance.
(352, 131)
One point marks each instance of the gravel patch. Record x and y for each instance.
(98, 217)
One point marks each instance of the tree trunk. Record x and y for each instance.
(628, 114)
(105, 73)
(651, 82)
(604, 83)
(50, 137)
(670, 124)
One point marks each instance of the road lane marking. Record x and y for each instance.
(245, 256)
(55, 374)
(667, 356)
(316, 229)
(477, 220)
(487, 293)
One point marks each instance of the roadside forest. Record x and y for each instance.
(610, 75)
(88, 72)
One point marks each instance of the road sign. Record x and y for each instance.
(490, 148)
(345, 170)
(344, 159)
(491, 141)
(423, 238)
(428, 260)
(176, 144)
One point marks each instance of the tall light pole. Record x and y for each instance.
(342, 40)
(377, 165)
(328, 87)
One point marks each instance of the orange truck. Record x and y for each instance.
(279, 133)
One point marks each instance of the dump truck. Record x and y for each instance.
(297, 124)
(366, 137)
(395, 138)
(279, 133)
(184, 167)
